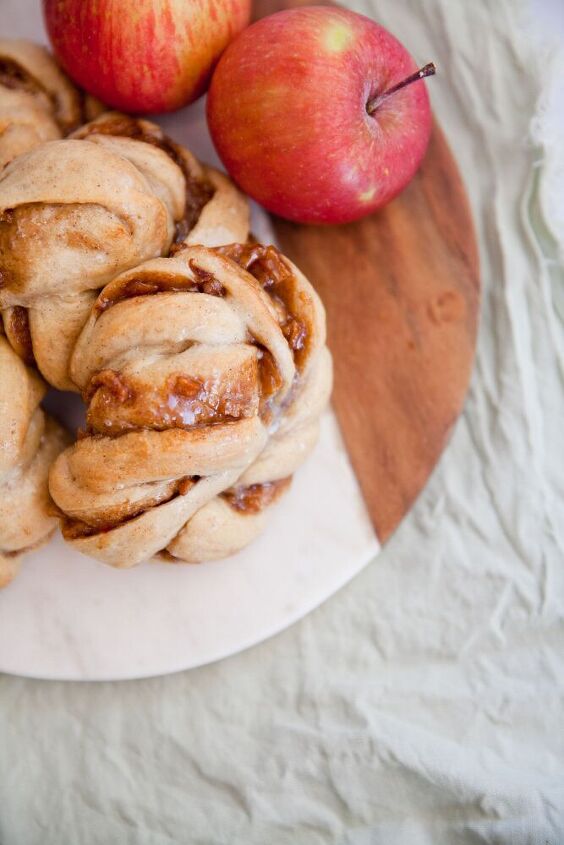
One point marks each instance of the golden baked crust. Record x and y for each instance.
(204, 375)
(29, 443)
(76, 212)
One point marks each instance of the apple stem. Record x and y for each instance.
(427, 70)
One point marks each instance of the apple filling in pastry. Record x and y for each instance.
(204, 376)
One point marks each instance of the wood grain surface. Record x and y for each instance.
(401, 289)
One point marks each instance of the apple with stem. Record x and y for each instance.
(319, 114)
(143, 55)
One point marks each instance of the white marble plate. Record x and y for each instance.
(68, 617)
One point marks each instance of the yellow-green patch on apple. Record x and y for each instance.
(337, 37)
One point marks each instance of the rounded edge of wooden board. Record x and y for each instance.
(410, 354)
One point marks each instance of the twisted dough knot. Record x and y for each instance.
(37, 101)
(74, 213)
(29, 443)
(205, 375)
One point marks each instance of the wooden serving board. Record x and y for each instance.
(401, 288)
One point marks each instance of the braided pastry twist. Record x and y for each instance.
(37, 101)
(29, 443)
(204, 376)
(76, 212)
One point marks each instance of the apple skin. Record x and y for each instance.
(287, 113)
(143, 55)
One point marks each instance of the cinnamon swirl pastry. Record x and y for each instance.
(76, 212)
(37, 101)
(204, 376)
(29, 443)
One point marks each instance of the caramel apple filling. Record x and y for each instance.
(16, 77)
(199, 190)
(119, 404)
(17, 328)
(255, 497)
(153, 283)
(270, 381)
(269, 268)
(101, 523)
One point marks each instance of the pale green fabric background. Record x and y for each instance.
(424, 704)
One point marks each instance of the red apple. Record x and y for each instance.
(143, 55)
(302, 114)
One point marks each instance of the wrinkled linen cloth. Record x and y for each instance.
(423, 704)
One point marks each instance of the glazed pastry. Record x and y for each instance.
(74, 213)
(37, 101)
(29, 443)
(204, 376)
